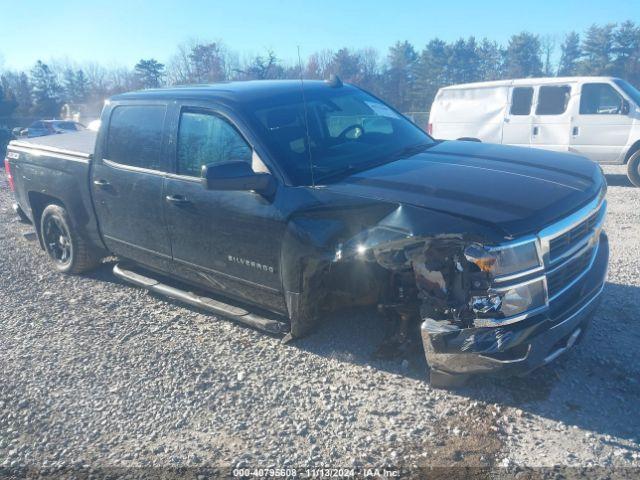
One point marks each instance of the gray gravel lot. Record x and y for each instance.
(98, 373)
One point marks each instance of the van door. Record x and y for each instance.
(552, 120)
(517, 123)
(601, 129)
(127, 184)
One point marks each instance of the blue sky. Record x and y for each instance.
(120, 32)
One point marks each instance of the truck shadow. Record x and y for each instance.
(588, 387)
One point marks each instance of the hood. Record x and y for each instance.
(518, 190)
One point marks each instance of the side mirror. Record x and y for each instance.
(237, 176)
(626, 107)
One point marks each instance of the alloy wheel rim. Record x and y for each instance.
(57, 240)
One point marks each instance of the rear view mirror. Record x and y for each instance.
(626, 107)
(237, 176)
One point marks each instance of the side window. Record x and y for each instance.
(599, 99)
(553, 100)
(135, 135)
(521, 101)
(205, 138)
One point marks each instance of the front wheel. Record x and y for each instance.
(633, 168)
(67, 249)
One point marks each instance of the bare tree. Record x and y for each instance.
(548, 44)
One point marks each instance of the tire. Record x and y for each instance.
(633, 168)
(68, 250)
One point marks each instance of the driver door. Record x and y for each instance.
(227, 241)
(601, 129)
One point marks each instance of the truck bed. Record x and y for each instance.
(80, 144)
(56, 169)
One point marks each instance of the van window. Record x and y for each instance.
(599, 99)
(521, 101)
(553, 100)
(629, 89)
(204, 139)
(135, 135)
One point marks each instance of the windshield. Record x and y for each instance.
(630, 90)
(349, 131)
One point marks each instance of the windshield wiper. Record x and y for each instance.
(411, 150)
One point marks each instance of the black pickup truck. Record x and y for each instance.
(276, 202)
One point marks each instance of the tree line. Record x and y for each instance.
(405, 76)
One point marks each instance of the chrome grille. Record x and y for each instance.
(566, 251)
(563, 276)
(563, 243)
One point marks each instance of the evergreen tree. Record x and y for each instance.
(626, 47)
(46, 91)
(400, 75)
(430, 73)
(522, 57)
(346, 64)
(150, 73)
(463, 63)
(597, 49)
(8, 103)
(490, 60)
(570, 56)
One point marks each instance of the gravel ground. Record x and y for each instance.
(99, 374)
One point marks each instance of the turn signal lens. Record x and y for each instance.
(505, 260)
(482, 258)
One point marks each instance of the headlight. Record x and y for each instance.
(507, 302)
(507, 260)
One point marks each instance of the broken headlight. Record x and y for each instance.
(507, 302)
(514, 299)
(504, 260)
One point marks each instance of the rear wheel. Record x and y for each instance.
(633, 168)
(67, 249)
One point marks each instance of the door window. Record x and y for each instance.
(599, 99)
(204, 139)
(521, 101)
(553, 100)
(135, 135)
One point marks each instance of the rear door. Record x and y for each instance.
(517, 122)
(127, 183)
(601, 129)
(552, 119)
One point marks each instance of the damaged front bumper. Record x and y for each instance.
(519, 347)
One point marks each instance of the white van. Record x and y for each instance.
(598, 117)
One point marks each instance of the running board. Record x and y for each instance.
(236, 313)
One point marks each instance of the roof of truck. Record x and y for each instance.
(527, 81)
(232, 91)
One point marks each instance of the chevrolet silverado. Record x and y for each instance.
(275, 202)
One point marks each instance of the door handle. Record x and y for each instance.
(177, 199)
(535, 131)
(101, 183)
(576, 131)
